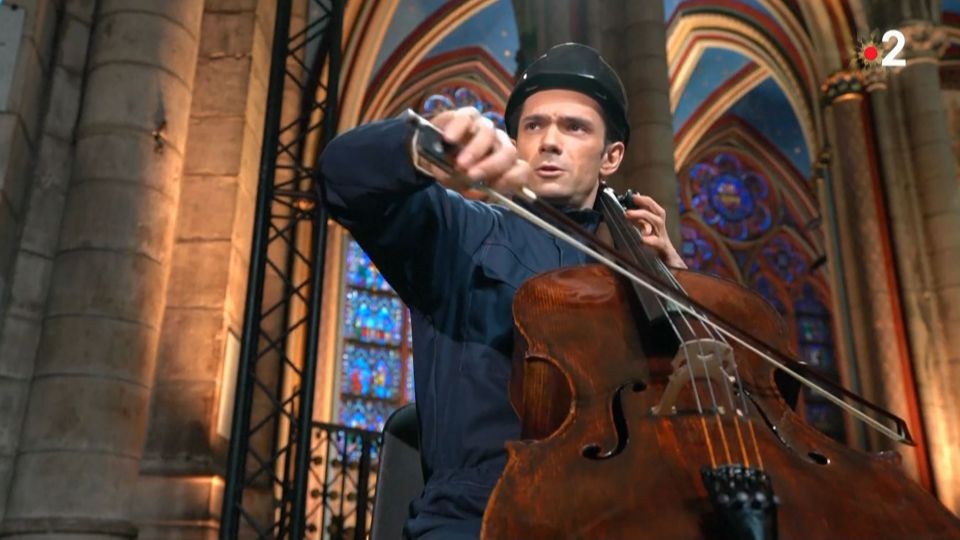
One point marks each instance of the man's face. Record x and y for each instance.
(561, 135)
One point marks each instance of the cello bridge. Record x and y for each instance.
(702, 361)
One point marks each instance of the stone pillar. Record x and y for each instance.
(909, 246)
(935, 232)
(632, 36)
(871, 285)
(179, 491)
(35, 160)
(84, 428)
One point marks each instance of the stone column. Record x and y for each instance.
(84, 428)
(871, 285)
(632, 36)
(180, 486)
(908, 242)
(935, 241)
(36, 150)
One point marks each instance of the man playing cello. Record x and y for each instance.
(456, 262)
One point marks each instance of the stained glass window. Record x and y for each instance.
(371, 372)
(373, 318)
(376, 375)
(364, 413)
(361, 273)
(785, 259)
(815, 342)
(699, 250)
(453, 98)
(408, 361)
(736, 202)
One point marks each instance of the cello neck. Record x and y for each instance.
(627, 240)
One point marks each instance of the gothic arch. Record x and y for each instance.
(390, 78)
(699, 26)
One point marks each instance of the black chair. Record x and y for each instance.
(400, 478)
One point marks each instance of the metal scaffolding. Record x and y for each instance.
(272, 436)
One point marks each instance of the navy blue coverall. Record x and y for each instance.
(456, 263)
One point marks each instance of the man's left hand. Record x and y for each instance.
(651, 219)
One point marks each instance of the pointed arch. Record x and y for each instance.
(367, 24)
(409, 54)
(694, 33)
(471, 67)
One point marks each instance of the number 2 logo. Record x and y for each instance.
(891, 60)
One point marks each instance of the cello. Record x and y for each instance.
(645, 413)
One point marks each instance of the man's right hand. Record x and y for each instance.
(487, 154)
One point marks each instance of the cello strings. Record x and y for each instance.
(639, 256)
(607, 194)
(658, 266)
(738, 411)
(703, 362)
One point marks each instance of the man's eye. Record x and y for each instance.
(577, 127)
(531, 125)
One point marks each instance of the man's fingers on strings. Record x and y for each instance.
(649, 222)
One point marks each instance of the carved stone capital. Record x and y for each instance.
(875, 79)
(924, 40)
(842, 85)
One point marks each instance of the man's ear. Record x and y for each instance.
(612, 157)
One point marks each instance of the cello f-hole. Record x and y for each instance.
(594, 450)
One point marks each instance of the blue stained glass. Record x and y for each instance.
(373, 372)
(408, 384)
(809, 303)
(451, 98)
(361, 272)
(437, 103)
(813, 318)
(738, 203)
(766, 289)
(364, 414)
(826, 417)
(699, 252)
(386, 377)
(781, 255)
(373, 319)
(812, 329)
(819, 356)
(730, 198)
(349, 447)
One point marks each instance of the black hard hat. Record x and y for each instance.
(572, 66)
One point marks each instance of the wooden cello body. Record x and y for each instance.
(596, 461)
